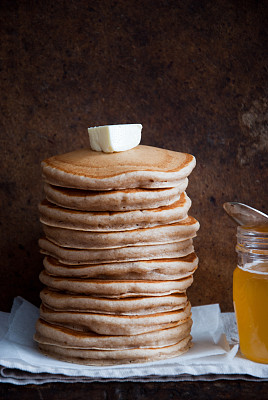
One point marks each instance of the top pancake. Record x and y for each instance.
(141, 167)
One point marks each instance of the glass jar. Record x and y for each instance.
(250, 291)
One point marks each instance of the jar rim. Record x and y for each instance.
(252, 239)
(253, 230)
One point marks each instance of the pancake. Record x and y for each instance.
(111, 200)
(116, 325)
(116, 289)
(115, 357)
(53, 215)
(126, 306)
(119, 256)
(131, 253)
(47, 333)
(179, 231)
(162, 269)
(140, 167)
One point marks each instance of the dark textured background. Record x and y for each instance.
(194, 73)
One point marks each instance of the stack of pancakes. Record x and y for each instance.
(119, 256)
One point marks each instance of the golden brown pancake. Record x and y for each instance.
(116, 289)
(114, 200)
(47, 333)
(131, 253)
(53, 215)
(115, 325)
(162, 269)
(179, 231)
(141, 167)
(61, 301)
(115, 357)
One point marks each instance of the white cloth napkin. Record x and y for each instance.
(212, 356)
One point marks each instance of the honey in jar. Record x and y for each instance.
(250, 292)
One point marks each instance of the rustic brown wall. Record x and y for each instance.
(194, 73)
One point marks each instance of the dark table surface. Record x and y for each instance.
(220, 389)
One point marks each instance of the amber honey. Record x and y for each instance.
(250, 292)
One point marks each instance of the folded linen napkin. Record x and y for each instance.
(212, 356)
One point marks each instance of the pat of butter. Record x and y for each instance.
(113, 138)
